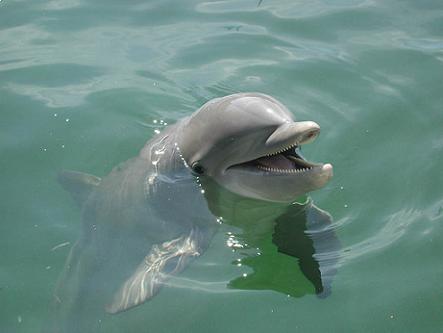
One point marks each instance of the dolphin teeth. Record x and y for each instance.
(281, 150)
(278, 170)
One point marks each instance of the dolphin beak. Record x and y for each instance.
(328, 170)
(295, 133)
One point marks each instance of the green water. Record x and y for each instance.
(83, 84)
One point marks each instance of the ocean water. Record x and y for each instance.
(84, 84)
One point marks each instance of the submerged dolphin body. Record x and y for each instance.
(151, 216)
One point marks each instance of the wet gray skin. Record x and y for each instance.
(248, 144)
(148, 218)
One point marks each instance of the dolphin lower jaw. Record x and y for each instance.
(275, 186)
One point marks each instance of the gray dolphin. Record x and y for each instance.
(150, 217)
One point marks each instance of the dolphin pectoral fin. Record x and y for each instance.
(161, 262)
(79, 184)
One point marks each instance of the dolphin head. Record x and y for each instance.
(249, 144)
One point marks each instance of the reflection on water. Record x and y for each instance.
(291, 249)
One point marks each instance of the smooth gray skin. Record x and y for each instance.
(242, 127)
(148, 218)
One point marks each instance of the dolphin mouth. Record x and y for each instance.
(285, 161)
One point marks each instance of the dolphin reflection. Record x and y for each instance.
(291, 249)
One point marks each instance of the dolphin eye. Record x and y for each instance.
(197, 168)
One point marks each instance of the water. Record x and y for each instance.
(84, 84)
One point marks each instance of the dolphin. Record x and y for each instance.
(152, 215)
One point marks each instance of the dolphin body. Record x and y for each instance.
(154, 213)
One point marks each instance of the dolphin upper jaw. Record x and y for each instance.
(291, 134)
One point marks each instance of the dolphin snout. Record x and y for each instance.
(300, 132)
(328, 170)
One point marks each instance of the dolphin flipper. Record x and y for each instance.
(79, 184)
(162, 261)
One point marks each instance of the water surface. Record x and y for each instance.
(84, 84)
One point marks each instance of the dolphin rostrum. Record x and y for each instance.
(150, 216)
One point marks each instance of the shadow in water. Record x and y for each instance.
(307, 235)
(291, 249)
